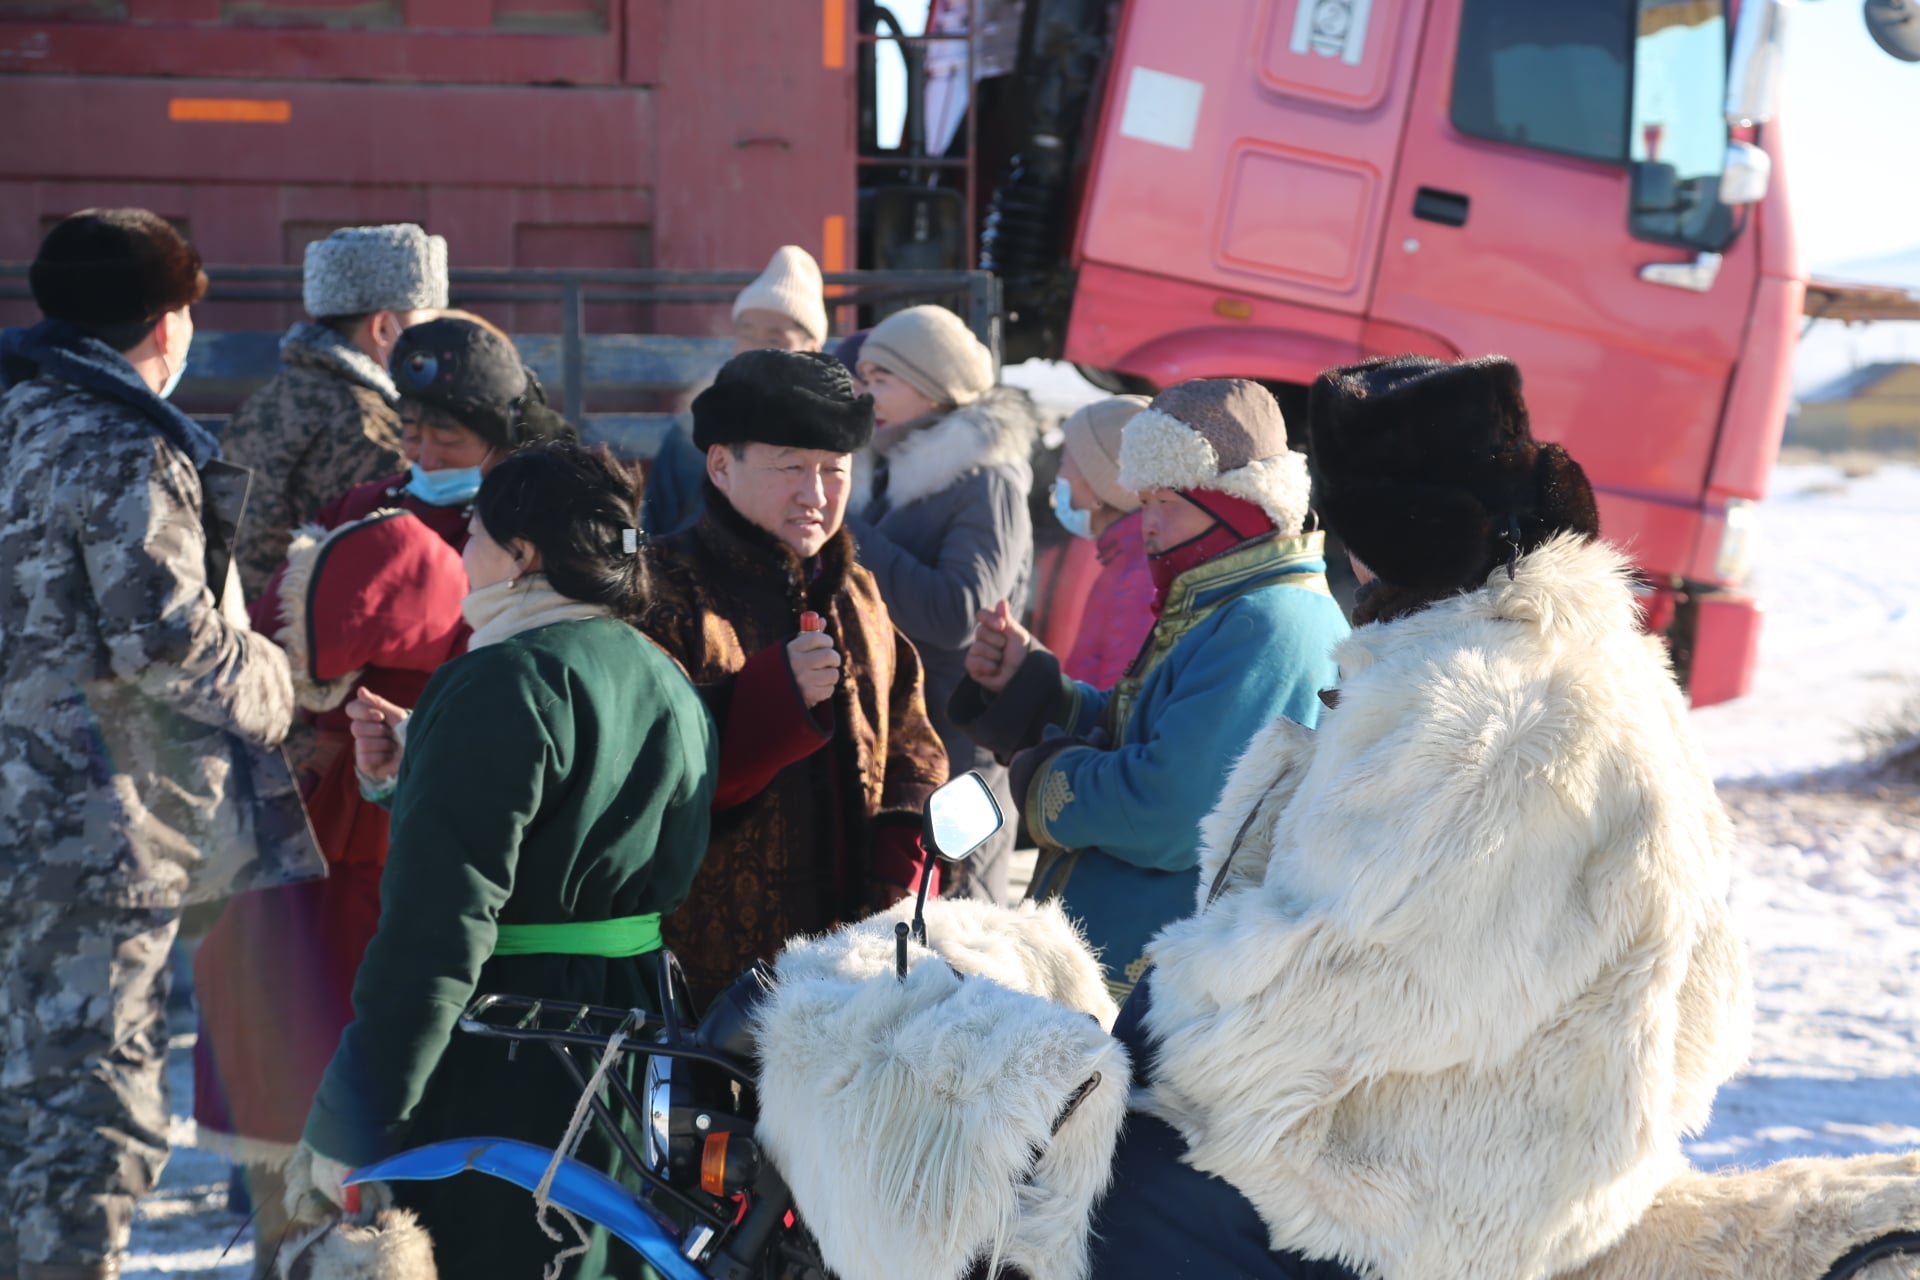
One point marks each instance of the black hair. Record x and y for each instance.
(122, 337)
(577, 507)
(344, 326)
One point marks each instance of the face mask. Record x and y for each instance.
(1075, 521)
(173, 379)
(449, 487)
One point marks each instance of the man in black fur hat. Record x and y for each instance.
(826, 750)
(137, 720)
(1471, 922)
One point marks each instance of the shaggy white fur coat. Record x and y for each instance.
(914, 1119)
(1471, 976)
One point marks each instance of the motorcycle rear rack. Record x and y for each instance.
(589, 1029)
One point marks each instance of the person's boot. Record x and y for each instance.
(69, 1271)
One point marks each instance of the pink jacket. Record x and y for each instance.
(1119, 609)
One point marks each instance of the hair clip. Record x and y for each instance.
(630, 541)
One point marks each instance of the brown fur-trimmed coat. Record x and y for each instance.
(800, 855)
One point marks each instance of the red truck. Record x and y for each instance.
(1166, 188)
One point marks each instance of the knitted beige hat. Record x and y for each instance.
(790, 286)
(1218, 433)
(932, 350)
(397, 267)
(1093, 435)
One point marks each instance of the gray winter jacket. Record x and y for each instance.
(943, 527)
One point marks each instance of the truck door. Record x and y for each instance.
(1555, 152)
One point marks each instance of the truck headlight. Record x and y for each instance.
(1737, 538)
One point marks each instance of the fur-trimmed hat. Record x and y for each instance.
(355, 270)
(790, 399)
(932, 350)
(790, 286)
(1218, 433)
(1092, 434)
(115, 267)
(472, 372)
(1428, 470)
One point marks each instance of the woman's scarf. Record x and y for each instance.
(508, 608)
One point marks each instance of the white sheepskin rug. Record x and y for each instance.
(915, 1120)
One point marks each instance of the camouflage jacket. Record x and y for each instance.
(137, 716)
(323, 424)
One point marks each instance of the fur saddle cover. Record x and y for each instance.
(1788, 1221)
(387, 1245)
(915, 1120)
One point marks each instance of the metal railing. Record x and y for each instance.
(976, 293)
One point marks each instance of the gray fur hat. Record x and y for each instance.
(360, 269)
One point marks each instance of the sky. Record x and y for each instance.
(1849, 113)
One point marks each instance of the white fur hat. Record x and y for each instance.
(1225, 434)
(932, 350)
(790, 286)
(355, 270)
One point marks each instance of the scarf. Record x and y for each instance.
(59, 350)
(506, 609)
(319, 347)
(1235, 520)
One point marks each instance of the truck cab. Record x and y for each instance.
(1289, 186)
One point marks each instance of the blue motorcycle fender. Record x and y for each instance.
(585, 1192)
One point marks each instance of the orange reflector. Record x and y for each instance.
(230, 110)
(1233, 308)
(713, 1165)
(833, 34)
(833, 249)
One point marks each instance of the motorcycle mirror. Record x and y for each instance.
(961, 816)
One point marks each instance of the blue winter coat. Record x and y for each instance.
(1241, 641)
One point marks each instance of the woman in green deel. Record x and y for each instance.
(550, 804)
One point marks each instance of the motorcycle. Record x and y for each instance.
(951, 1107)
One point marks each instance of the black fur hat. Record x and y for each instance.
(105, 267)
(792, 399)
(1428, 471)
(475, 374)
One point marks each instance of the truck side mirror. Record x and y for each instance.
(1746, 176)
(1895, 27)
(1753, 70)
(1656, 187)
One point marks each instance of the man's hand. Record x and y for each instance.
(376, 745)
(1000, 645)
(816, 666)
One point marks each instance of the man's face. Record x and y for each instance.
(1167, 520)
(434, 439)
(797, 495)
(758, 329)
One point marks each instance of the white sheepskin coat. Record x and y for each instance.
(914, 1120)
(1471, 978)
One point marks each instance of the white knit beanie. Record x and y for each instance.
(791, 287)
(932, 350)
(355, 270)
(1093, 434)
(1218, 433)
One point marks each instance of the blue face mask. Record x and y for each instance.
(173, 379)
(449, 487)
(1075, 521)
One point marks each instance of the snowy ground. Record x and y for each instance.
(1827, 887)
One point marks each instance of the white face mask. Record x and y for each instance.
(178, 371)
(173, 378)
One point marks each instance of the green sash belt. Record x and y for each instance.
(615, 939)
